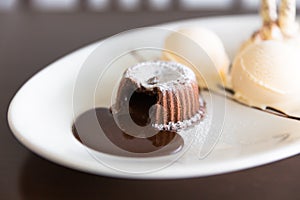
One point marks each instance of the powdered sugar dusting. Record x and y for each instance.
(180, 125)
(161, 74)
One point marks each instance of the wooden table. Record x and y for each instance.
(28, 42)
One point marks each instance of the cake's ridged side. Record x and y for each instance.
(171, 107)
(177, 106)
(194, 93)
(184, 102)
(196, 97)
(192, 97)
(165, 106)
(189, 99)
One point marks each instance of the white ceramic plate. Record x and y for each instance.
(41, 115)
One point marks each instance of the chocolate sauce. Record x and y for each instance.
(98, 130)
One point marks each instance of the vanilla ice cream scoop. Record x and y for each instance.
(267, 75)
(265, 72)
(198, 48)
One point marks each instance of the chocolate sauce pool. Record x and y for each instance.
(98, 130)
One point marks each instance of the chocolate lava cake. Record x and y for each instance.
(163, 94)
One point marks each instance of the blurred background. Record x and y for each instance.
(37, 32)
(129, 5)
(52, 28)
(126, 5)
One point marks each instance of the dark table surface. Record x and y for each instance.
(31, 40)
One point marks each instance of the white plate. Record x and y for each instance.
(41, 115)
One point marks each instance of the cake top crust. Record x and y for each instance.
(160, 74)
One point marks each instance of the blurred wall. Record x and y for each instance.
(129, 5)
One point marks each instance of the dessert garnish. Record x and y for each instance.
(265, 72)
(280, 27)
